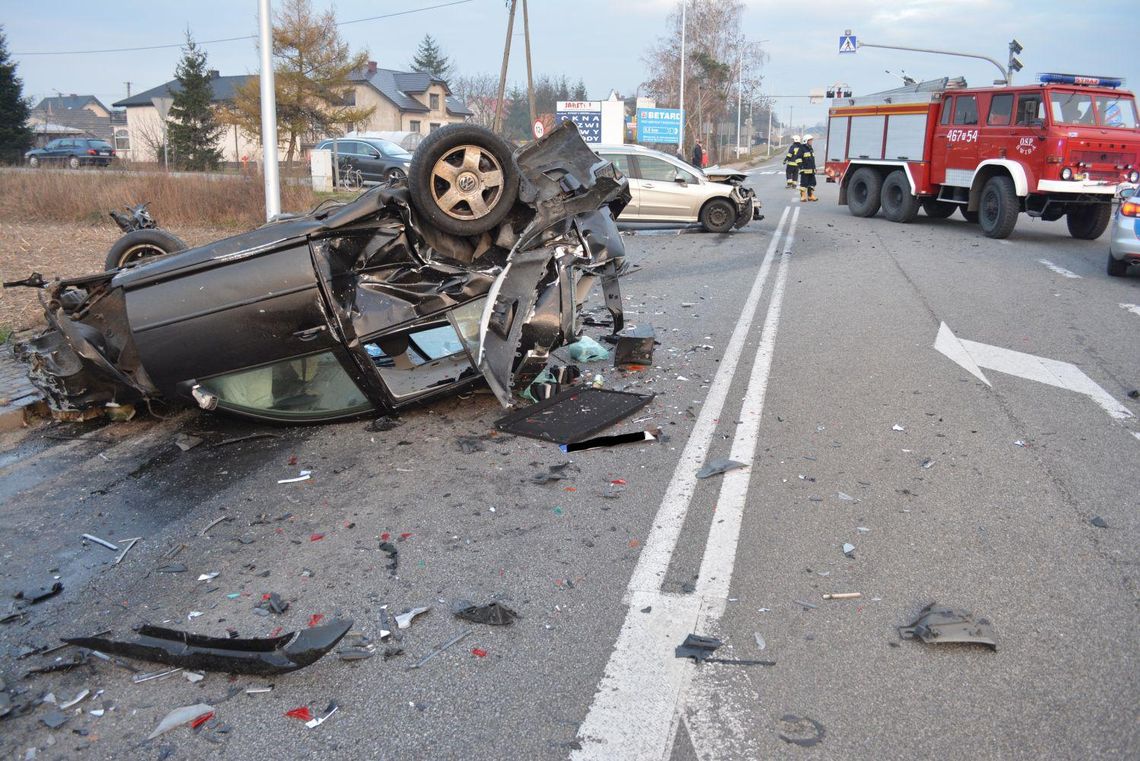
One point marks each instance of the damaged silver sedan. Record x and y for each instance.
(475, 270)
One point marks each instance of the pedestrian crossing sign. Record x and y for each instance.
(847, 43)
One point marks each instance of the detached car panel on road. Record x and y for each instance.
(351, 308)
(666, 189)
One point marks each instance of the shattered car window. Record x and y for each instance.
(295, 388)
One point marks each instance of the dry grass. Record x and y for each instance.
(85, 197)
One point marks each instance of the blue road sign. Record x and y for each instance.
(659, 125)
(589, 123)
(847, 43)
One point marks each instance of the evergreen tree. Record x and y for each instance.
(15, 135)
(192, 126)
(431, 60)
(580, 90)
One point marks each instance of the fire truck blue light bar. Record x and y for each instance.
(1053, 78)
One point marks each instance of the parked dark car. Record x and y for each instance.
(378, 161)
(354, 307)
(74, 151)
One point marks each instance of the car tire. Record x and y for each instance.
(455, 197)
(73, 162)
(1088, 222)
(864, 193)
(135, 246)
(1117, 267)
(34, 162)
(394, 175)
(718, 215)
(899, 204)
(936, 209)
(998, 207)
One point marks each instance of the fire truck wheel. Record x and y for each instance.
(969, 216)
(863, 192)
(936, 209)
(998, 208)
(899, 204)
(1088, 222)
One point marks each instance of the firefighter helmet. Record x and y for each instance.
(795, 138)
(808, 137)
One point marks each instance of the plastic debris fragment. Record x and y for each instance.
(802, 731)
(587, 349)
(180, 716)
(718, 466)
(493, 613)
(404, 620)
(938, 625)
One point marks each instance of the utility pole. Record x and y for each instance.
(268, 114)
(128, 84)
(769, 131)
(681, 146)
(739, 97)
(529, 73)
(497, 122)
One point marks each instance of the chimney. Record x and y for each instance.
(213, 73)
(371, 68)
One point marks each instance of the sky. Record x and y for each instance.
(602, 42)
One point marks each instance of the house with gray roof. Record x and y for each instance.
(80, 115)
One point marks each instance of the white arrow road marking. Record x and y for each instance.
(1060, 270)
(1133, 308)
(636, 708)
(973, 356)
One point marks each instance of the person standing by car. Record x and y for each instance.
(806, 163)
(698, 154)
(791, 162)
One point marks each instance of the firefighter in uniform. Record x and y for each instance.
(807, 170)
(791, 161)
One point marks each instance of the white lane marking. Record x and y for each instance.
(1051, 372)
(707, 729)
(634, 711)
(1060, 270)
(1133, 308)
(948, 344)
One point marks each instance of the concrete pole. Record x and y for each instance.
(739, 97)
(529, 73)
(684, 7)
(769, 131)
(268, 114)
(497, 122)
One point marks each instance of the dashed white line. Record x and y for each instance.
(635, 710)
(1060, 270)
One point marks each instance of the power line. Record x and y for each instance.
(237, 39)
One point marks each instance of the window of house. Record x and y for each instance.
(1030, 110)
(1001, 109)
(122, 139)
(434, 100)
(966, 109)
(434, 126)
(414, 125)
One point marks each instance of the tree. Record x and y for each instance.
(714, 52)
(192, 126)
(313, 70)
(478, 93)
(431, 60)
(15, 135)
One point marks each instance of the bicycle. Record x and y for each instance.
(350, 178)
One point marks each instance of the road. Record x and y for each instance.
(800, 346)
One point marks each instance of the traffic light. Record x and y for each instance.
(1014, 61)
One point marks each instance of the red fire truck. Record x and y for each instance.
(1059, 148)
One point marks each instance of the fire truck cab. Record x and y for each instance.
(1059, 148)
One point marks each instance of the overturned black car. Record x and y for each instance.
(475, 269)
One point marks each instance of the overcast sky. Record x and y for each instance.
(599, 41)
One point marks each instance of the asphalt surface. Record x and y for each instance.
(991, 526)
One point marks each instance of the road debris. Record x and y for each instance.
(634, 347)
(173, 568)
(213, 523)
(760, 643)
(587, 349)
(1099, 522)
(806, 604)
(843, 596)
(186, 442)
(271, 602)
(273, 655)
(439, 649)
(317, 721)
(849, 550)
(32, 595)
(301, 713)
(479, 652)
(154, 675)
(103, 542)
(897, 427)
(404, 620)
(247, 437)
(209, 576)
(802, 730)
(927, 464)
(618, 439)
(493, 613)
(701, 648)
(718, 466)
(54, 719)
(573, 415)
(390, 550)
(75, 700)
(129, 543)
(939, 625)
(193, 677)
(305, 475)
(197, 715)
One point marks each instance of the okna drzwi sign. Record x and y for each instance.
(586, 115)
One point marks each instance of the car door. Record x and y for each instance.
(962, 138)
(370, 161)
(667, 190)
(56, 149)
(632, 210)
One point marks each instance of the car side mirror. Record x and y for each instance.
(374, 153)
